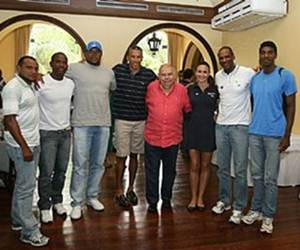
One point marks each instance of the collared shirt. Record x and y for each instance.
(268, 117)
(165, 114)
(20, 99)
(129, 96)
(235, 105)
(204, 103)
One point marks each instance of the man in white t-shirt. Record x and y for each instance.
(55, 131)
(233, 119)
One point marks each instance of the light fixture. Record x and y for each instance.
(154, 43)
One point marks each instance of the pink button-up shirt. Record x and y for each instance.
(165, 114)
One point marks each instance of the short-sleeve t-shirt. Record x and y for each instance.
(267, 90)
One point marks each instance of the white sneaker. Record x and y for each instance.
(37, 240)
(95, 204)
(46, 216)
(220, 207)
(76, 213)
(59, 209)
(267, 225)
(251, 217)
(236, 217)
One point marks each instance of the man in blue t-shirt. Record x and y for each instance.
(273, 90)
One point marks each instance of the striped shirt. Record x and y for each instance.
(129, 96)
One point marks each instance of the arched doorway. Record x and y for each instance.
(206, 50)
(15, 40)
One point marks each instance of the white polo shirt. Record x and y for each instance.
(234, 89)
(55, 103)
(20, 99)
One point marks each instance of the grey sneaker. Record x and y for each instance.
(36, 240)
(267, 225)
(220, 207)
(251, 217)
(236, 217)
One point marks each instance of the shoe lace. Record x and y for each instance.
(268, 221)
(220, 204)
(37, 237)
(252, 214)
(59, 206)
(236, 214)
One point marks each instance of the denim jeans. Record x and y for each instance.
(54, 158)
(153, 156)
(21, 207)
(265, 162)
(232, 140)
(89, 150)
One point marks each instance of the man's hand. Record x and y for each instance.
(38, 80)
(27, 154)
(284, 143)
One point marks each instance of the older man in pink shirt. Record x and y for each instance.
(166, 102)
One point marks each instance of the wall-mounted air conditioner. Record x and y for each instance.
(240, 15)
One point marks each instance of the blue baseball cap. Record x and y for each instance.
(93, 44)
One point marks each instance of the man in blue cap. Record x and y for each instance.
(91, 120)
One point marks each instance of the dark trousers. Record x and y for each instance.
(153, 156)
(54, 159)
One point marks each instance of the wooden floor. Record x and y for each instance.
(176, 229)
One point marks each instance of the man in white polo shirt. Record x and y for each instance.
(21, 118)
(232, 133)
(55, 131)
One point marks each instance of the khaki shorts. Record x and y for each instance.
(129, 137)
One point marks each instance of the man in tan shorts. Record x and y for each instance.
(129, 112)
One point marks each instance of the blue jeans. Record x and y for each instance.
(265, 162)
(153, 156)
(54, 159)
(89, 150)
(232, 140)
(21, 207)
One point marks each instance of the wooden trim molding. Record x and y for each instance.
(189, 30)
(44, 18)
(157, 11)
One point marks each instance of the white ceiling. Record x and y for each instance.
(202, 3)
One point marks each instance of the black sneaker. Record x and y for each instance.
(123, 201)
(36, 240)
(152, 209)
(133, 199)
(166, 204)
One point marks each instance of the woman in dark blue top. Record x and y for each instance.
(204, 97)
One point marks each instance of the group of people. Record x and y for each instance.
(244, 113)
(148, 114)
(255, 116)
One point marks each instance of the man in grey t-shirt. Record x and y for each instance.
(91, 120)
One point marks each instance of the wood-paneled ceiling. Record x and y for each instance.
(199, 3)
(197, 11)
